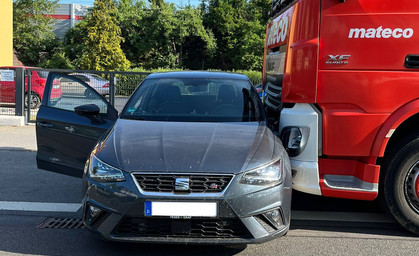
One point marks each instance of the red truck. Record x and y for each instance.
(342, 91)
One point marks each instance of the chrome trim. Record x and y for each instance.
(182, 184)
(350, 183)
(167, 194)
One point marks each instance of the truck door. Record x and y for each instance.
(69, 123)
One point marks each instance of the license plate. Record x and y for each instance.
(181, 209)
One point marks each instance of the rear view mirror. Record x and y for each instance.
(87, 110)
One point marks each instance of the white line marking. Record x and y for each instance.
(341, 216)
(39, 207)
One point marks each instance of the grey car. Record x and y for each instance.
(189, 160)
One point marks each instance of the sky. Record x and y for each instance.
(90, 2)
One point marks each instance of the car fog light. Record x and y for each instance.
(94, 211)
(274, 217)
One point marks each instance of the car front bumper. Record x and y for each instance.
(239, 220)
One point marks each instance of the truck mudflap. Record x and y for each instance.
(348, 179)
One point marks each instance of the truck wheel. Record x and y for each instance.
(401, 183)
(35, 100)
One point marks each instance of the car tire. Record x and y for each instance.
(88, 94)
(35, 100)
(401, 181)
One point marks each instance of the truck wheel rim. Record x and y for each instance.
(411, 187)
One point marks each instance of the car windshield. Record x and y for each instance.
(194, 100)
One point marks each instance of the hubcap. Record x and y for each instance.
(411, 187)
(34, 101)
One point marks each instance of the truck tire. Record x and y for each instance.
(401, 183)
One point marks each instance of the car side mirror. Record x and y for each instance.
(87, 110)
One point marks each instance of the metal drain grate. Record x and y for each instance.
(59, 223)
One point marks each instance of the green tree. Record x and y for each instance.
(239, 29)
(161, 36)
(32, 33)
(58, 60)
(150, 36)
(222, 20)
(102, 44)
(73, 42)
(259, 10)
(194, 43)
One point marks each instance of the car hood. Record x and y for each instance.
(150, 146)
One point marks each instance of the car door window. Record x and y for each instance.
(69, 92)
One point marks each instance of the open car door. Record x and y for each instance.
(72, 117)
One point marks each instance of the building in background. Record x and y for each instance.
(6, 33)
(66, 16)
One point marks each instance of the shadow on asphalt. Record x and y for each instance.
(158, 249)
(306, 202)
(81, 242)
(365, 228)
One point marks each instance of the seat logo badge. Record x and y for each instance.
(182, 184)
(338, 59)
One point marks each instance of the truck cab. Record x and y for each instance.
(341, 81)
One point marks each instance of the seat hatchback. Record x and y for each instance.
(189, 160)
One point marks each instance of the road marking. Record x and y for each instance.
(341, 216)
(39, 207)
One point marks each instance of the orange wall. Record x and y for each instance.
(6, 33)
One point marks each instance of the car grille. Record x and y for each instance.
(192, 228)
(197, 183)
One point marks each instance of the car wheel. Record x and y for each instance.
(88, 93)
(401, 183)
(35, 100)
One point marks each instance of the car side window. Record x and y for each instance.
(68, 92)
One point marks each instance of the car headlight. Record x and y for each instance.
(102, 172)
(266, 175)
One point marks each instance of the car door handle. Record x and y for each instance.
(45, 124)
(411, 61)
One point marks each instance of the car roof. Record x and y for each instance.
(198, 74)
(25, 67)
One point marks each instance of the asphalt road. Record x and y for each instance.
(320, 226)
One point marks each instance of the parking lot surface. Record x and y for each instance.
(29, 197)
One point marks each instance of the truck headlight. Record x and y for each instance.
(266, 175)
(102, 172)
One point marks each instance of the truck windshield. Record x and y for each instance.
(278, 6)
(194, 100)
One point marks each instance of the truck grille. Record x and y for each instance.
(193, 228)
(197, 183)
(273, 96)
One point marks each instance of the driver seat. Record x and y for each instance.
(226, 94)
